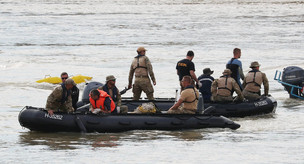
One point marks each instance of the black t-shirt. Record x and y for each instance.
(184, 67)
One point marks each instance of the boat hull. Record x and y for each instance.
(264, 105)
(37, 119)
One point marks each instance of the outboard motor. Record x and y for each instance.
(295, 76)
(85, 96)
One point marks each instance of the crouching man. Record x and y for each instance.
(187, 103)
(60, 99)
(101, 102)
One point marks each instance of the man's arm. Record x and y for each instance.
(69, 104)
(213, 89)
(237, 89)
(118, 98)
(244, 83)
(107, 105)
(241, 73)
(177, 104)
(193, 76)
(131, 73)
(150, 70)
(266, 84)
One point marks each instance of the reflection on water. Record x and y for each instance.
(64, 141)
(186, 135)
(256, 117)
(105, 141)
(54, 141)
(291, 102)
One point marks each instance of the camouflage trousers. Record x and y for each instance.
(142, 84)
(123, 109)
(219, 98)
(250, 95)
(58, 107)
(181, 110)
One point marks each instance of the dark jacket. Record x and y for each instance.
(206, 81)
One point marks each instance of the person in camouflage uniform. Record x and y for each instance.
(222, 89)
(142, 68)
(253, 81)
(60, 99)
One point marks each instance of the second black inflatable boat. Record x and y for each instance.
(265, 105)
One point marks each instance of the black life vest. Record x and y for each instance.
(234, 68)
(65, 94)
(75, 96)
(253, 81)
(106, 89)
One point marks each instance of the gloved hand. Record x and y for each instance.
(95, 111)
(199, 84)
(118, 109)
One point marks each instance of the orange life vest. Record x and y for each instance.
(100, 102)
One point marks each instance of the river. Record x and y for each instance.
(100, 37)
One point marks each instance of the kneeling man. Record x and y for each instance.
(60, 99)
(101, 102)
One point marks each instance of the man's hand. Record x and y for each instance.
(51, 112)
(105, 111)
(95, 111)
(130, 86)
(199, 84)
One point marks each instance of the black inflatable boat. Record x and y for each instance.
(37, 119)
(264, 105)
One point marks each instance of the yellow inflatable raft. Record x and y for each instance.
(56, 80)
(81, 79)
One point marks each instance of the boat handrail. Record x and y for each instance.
(277, 77)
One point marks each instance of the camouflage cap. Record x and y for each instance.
(227, 72)
(139, 49)
(207, 71)
(110, 77)
(254, 64)
(70, 81)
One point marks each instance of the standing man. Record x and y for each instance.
(235, 65)
(142, 68)
(253, 81)
(222, 89)
(186, 67)
(187, 103)
(206, 80)
(60, 99)
(74, 91)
